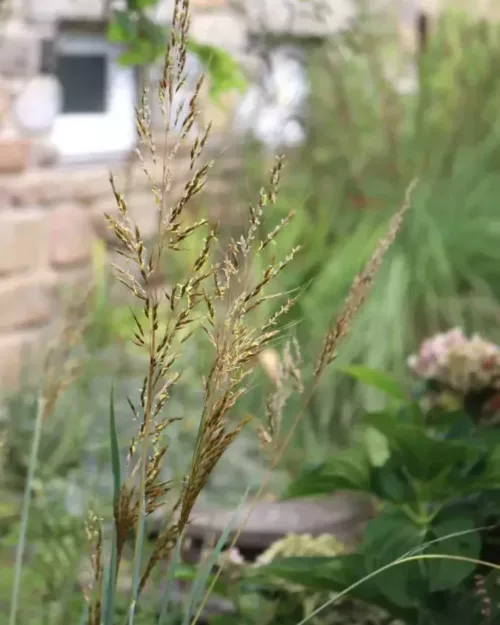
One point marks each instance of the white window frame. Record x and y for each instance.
(95, 136)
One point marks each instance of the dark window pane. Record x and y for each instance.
(83, 80)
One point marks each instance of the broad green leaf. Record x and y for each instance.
(153, 33)
(223, 70)
(390, 537)
(335, 574)
(454, 424)
(422, 456)
(391, 483)
(316, 573)
(453, 536)
(377, 447)
(377, 379)
(137, 5)
(141, 53)
(122, 28)
(347, 470)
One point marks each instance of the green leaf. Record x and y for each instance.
(390, 537)
(391, 483)
(153, 33)
(122, 28)
(115, 450)
(377, 447)
(422, 456)
(348, 470)
(224, 72)
(316, 573)
(455, 536)
(141, 53)
(110, 582)
(334, 575)
(377, 379)
(137, 5)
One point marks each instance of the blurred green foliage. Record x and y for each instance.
(367, 140)
(435, 488)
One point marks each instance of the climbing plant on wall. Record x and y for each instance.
(145, 39)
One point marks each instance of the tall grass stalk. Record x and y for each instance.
(214, 298)
(25, 513)
(166, 603)
(356, 297)
(200, 585)
(58, 371)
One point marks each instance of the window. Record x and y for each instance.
(273, 111)
(98, 99)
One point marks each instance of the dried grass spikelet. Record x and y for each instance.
(214, 297)
(286, 375)
(361, 287)
(93, 592)
(356, 297)
(60, 366)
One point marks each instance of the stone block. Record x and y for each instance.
(48, 186)
(53, 10)
(24, 303)
(4, 105)
(208, 4)
(45, 154)
(15, 155)
(300, 19)
(70, 236)
(21, 240)
(20, 52)
(17, 352)
(226, 29)
(37, 105)
(165, 8)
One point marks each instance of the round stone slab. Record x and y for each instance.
(37, 106)
(342, 515)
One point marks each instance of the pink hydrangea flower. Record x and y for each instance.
(457, 362)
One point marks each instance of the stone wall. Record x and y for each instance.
(50, 212)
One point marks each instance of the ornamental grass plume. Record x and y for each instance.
(215, 298)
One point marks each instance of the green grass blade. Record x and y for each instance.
(136, 577)
(169, 583)
(85, 614)
(200, 583)
(21, 546)
(115, 450)
(109, 590)
(110, 578)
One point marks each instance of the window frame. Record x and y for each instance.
(96, 136)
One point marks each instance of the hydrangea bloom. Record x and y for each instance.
(457, 362)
